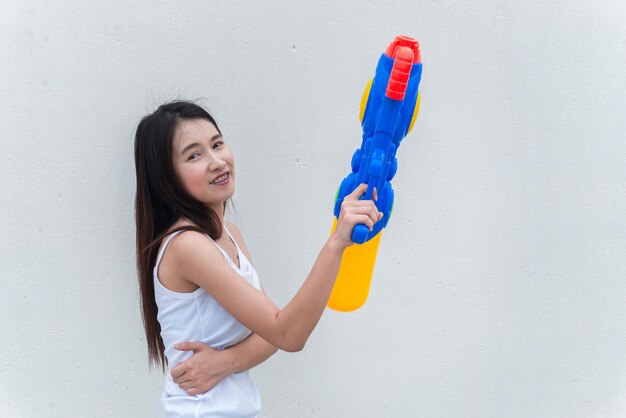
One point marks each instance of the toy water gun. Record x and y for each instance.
(389, 108)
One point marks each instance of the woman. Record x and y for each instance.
(197, 283)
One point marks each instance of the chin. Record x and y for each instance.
(222, 198)
(231, 192)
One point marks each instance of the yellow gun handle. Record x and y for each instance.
(355, 275)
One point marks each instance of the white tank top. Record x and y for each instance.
(197, 316)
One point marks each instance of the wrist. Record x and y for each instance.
(231, 361)
(334, 244)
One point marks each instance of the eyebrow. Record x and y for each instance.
(195, 144)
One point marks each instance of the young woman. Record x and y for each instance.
(199, 292)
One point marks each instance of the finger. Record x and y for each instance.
(178, 371)
(375, 214)
(361, 206)
(365, 207)
(187, 385)
(194, 346)
(356, 206)
(375, 194)
(357, 193)
(362, 219)
(200, 389)
(357, 203)
(181, 379)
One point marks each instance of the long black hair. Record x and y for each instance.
(160, 201)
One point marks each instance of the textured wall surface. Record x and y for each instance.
(499, 288)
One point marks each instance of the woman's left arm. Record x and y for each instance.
(208, 366)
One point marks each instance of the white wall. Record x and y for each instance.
(499, 288)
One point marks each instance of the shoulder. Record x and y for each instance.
(188, 245)
(183, 258)
(197, 259)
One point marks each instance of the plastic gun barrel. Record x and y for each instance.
(374, 169)
(388, 111)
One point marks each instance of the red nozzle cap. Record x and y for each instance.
(404, 41)
(400, 73)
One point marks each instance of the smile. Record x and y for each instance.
(223, 179)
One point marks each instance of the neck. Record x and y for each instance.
(219, 211)
(217, 208)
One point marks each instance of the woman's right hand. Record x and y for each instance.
(354, 211)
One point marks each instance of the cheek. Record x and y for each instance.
(229, 158)
(194, 179)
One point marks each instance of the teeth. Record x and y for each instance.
(220, 179)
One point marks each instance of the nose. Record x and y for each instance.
(216, 163)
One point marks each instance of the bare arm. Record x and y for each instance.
(207, 367)
(201, 263)
(251, 352)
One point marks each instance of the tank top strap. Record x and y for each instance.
(232, 239)
(224, 253)
(163, 247)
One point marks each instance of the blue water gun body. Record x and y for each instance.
(388, 110)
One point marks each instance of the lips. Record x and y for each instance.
(222, 178)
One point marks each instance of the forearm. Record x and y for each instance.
(249, 353)
(302, 313)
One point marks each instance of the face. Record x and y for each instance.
(204, 163)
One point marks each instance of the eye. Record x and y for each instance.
(218, 144)
(193, 156)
